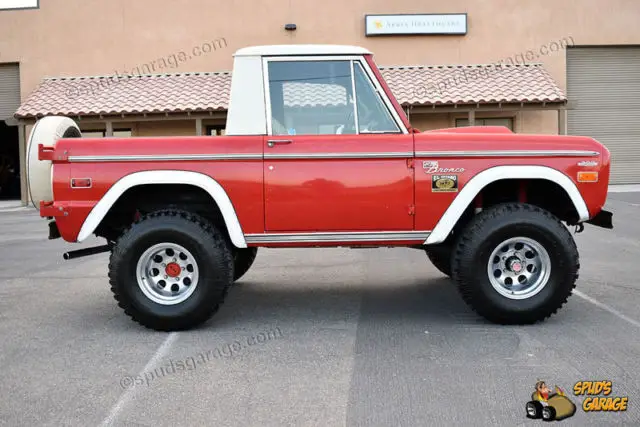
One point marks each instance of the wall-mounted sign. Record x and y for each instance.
(448, 23)
(19, 4)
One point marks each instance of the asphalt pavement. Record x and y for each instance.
(310, 337)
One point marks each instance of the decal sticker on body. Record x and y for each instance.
(444, 183)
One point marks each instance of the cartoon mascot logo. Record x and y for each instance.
(549, 404)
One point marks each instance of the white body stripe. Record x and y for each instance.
(509, 153)
(166, 177)
(484, 178)
(163, 157)
(380, 155)
(327, 155)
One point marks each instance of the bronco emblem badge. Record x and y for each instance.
(432, 166)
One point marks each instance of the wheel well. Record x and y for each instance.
(146, 198)
(543, 193)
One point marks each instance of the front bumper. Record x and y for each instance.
(603, 219)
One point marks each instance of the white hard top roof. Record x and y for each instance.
(301, 49)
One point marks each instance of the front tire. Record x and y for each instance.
(515, 264)
(171, 270)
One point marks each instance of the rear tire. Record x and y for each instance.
(242, 261)
(198, 268)
(530, 282)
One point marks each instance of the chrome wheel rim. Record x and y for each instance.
(519, 268)
(167, 273)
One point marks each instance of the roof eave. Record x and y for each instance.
(481, 105)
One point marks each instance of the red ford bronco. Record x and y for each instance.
(318, 152)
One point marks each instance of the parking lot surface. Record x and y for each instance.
(317, 337)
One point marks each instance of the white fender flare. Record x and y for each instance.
(196, 179)
(486, 177)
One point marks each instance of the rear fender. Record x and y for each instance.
(196, 179)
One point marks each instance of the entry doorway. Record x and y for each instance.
(9, 163)
(9, 145)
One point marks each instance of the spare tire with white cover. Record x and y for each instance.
(47, 131)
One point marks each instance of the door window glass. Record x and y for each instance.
(311, 97)
(373, 115)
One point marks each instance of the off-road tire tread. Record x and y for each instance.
(468, 288)
(206, 311)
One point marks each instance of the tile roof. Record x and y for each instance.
(84, 96)
(203, 92)
(472, 84)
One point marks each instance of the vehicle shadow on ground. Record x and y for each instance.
(433, 301)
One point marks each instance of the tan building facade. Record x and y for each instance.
(581, 46)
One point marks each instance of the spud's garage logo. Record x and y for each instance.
(555, 405)
(597, 404)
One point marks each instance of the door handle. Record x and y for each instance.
(273, 142)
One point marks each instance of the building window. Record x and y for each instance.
(216, 130)
(498, 121)
(117, 133)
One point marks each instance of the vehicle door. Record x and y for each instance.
(337, 158)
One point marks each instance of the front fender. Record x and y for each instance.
(486, 177)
